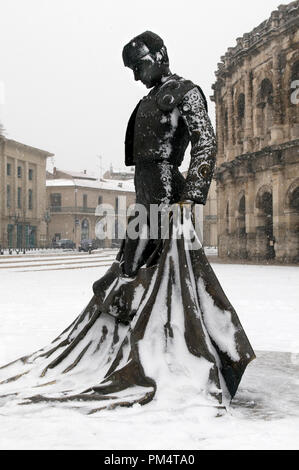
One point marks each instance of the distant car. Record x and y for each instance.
(88, 244)
(65, 243)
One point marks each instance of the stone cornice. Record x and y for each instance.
(280, 20)
(249, 163)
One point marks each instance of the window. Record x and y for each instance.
(19, 198)
(30, 174)
(19, 172)
(8, 196)
(8, 169)
(55, 201)
(266, 91)
(84, 230)
(10, 228)
(30, 199)
(85, 200)
(116, 205)
(242, 205)
(100, 200)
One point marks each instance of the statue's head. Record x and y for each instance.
(147, 56)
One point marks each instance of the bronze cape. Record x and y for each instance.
(118, 360)
(159, 321)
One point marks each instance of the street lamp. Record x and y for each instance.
(76, 217)
(47, 219)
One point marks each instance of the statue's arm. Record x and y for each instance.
(203, 147)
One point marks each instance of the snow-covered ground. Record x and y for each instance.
(40, 296)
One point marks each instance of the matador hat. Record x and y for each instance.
(143, 44)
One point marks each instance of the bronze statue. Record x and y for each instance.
(159, 323)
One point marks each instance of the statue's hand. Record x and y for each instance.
(186, 202)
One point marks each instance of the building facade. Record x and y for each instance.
(257, 120)
(72, 199)
(22, 195)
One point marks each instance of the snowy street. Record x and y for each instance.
(41, 296)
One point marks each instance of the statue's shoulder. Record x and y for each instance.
(173, 91)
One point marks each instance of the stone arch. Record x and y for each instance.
(240, 117)
(288, 108)
(294, 200)
(295, 70)
(241, 106)
(292, 215)
(225, 124)
(266, 91)
(291, 196)
(241, 213)
(265, 108)
(294, 87)
(266, 188)
(265, 235)
(241, 224)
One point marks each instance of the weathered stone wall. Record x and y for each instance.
(257, 119)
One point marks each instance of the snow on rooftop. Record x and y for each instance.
(60, 182)
(112, 185)
(78, 174)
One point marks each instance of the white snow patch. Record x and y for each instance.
(36, 307)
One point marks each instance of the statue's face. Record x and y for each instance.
(148, 71)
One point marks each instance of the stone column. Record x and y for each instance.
(230, 120)
(220, 220)
(287, 102)
(219, 129)
(254, 112)
(279, 222)
(248, 131)
(277, 128)
(250, 222)
(226, 195)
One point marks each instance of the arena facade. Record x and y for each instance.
(256, 94)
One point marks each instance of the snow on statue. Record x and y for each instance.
(159, 324)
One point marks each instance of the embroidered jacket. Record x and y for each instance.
(161, 127)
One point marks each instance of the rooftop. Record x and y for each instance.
(110, 185)
(28, 147)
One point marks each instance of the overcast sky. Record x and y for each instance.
(66, 89)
